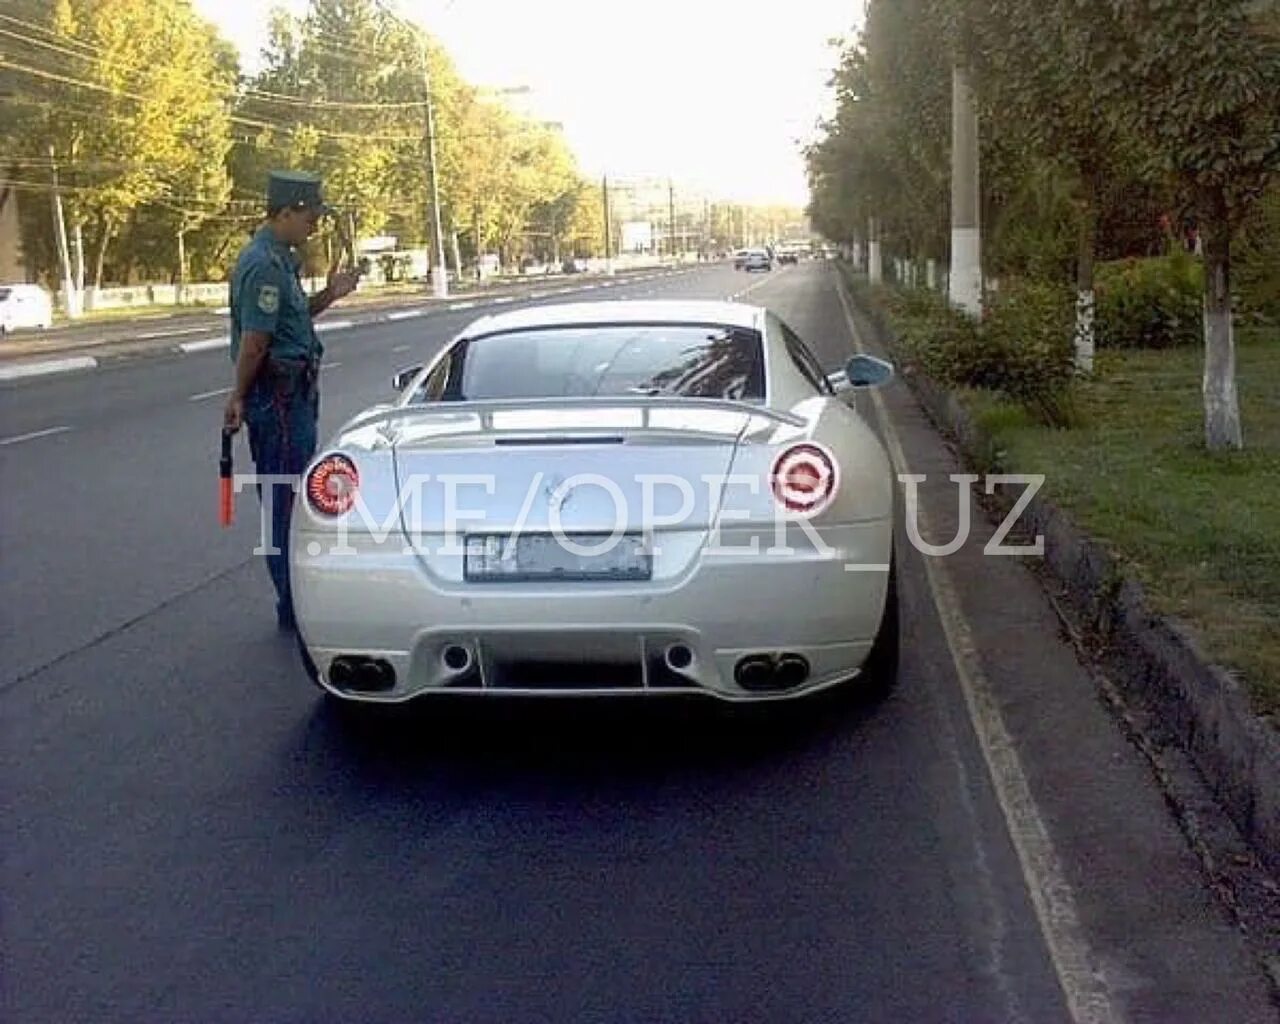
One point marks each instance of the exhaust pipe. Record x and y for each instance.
(678, 657)
(754, 672)
(792, 670)
(361, 674)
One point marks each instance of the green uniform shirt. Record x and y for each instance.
(267, 296)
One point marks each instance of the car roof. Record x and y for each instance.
(670, 311)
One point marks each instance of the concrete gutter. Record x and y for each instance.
(1153, 659)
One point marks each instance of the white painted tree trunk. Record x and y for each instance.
(966, 241)
(1221, 403)
(931, 274)
(1084, 331)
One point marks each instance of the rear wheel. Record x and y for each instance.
(880, 670)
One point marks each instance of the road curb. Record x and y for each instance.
(1153, 658)
(21, 369)
(44, 367)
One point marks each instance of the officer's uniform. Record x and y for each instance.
(282, 406)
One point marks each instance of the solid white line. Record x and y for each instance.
(205, 345)
(33, 435)
(504, 298)
(209, 394)
(402, 348)
(172, 334)
(406, 314)
(461, 305)
(334, 325)
(48, 366)
(329, 366)
(1088, 998)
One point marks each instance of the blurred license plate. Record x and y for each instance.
(538, 556)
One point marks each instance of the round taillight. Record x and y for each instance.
(804, 478)
(332, 485)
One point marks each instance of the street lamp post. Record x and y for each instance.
(440, 272)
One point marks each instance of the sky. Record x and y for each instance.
(716, 94)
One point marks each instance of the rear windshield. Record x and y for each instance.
(604, 361)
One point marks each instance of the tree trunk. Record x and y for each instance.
(100, 255)
(182, 266)
(874, 268)
(966, 236)
(1221, 404)
(1084, 288)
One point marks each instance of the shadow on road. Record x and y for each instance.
(620, 742)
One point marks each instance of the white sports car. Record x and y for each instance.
(602, 499)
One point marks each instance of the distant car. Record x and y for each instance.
(24, 305)
(757, 259)
(788, 256)
(740, 258)
(559, 567)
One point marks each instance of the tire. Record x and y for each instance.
(880, 670)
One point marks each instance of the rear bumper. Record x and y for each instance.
(604, 638)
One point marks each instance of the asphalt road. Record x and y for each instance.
(189, 836)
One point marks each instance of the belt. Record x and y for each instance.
(292, 372)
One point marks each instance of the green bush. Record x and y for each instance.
(1149, 303)
(1029, 326)
(1022, 349)
(945, 343)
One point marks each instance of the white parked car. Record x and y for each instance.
(24, 305)
(603, 499)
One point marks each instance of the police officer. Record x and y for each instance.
(277, 353)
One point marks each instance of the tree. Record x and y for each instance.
(1198, 80)
(129, 100)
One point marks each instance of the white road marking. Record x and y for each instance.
(402, 348)
(329, 366)
(461, 305)
(406, 314)
(47, 366)
(172, 334)
(334, 325)
(209, 394)
(34, 434)
(535, 294)
(504, 298)
(204, 345)
(223, 310)
(1088, 998)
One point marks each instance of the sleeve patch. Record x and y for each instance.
(269, 298)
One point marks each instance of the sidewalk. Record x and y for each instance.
(86, 345)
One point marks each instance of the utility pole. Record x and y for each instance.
(71, 298)
(440, 275)
(671, 206)
(608, 230)
(966, 238)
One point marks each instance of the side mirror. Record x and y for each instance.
(404, 378)
(862, 371)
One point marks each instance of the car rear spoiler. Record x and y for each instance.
(488, 407)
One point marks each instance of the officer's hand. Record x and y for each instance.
(342, 282)
(233, 415)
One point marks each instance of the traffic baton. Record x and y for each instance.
(226, 499)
